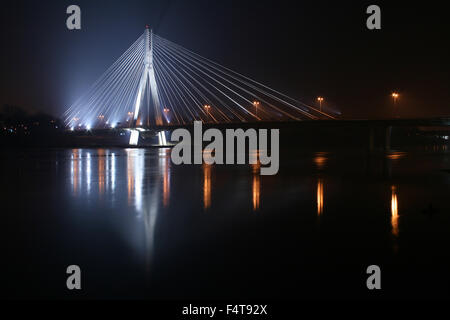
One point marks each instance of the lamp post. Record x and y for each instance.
(207, 108)
(166, 112)
(256, 104)
(130, 117)
(320, 99)
(395, 96)
(101, 118)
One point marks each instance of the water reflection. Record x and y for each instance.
(131, 170)
(207, 156)
(135, 176)
(206, 185)
(104, 168)
(394, 211)
(130, 175)
(256, 186)
(141, 180)
(390, 160)
(75, 170)
(101, 171)
(149, 210)
(164, 160)
(149, 186)
(112, 171)
(396, 155)
(319, 197)
(320, 160)
(88, 172)
(437, 148)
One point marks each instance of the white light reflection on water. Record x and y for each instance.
(113, 171)
(88, 172)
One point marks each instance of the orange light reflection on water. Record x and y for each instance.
(394, 211)
(319, 197)
(256, 186)
(101, 171)
(206, 185)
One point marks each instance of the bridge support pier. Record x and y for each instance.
(375, 133)
(147, 76)
(387, 141)
(134, 137)
(162, 139)
(371, 140)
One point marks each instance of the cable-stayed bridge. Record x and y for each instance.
(157, 83)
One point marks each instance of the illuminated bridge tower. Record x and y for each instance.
(148, 74)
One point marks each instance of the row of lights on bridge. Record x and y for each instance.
(395, 96)
(207, 107)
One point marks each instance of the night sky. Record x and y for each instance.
(302, 48)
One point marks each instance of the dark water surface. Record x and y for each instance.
(141, 227)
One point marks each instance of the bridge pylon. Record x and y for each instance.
(147, 76)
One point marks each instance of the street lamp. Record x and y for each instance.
(207, 108)
(320, 99)
(130, 116)
(166, 112)
(256, 104)
(395, 96)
